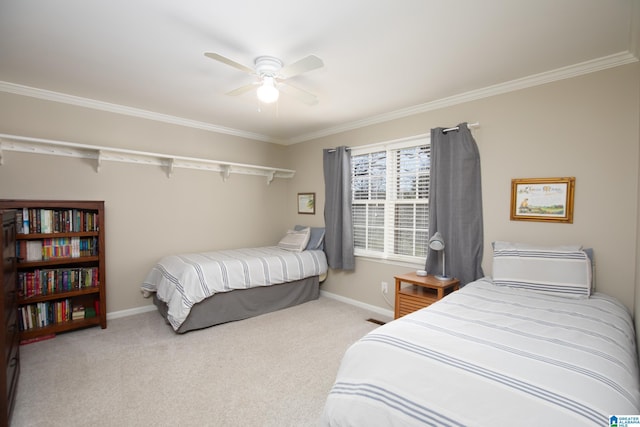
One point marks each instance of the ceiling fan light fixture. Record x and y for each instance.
(267, 92)
(271, 74)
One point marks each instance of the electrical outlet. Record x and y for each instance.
(384, 287)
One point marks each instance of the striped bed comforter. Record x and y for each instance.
(490, 355)
(184, 280)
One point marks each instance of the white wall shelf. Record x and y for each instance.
(107, 154)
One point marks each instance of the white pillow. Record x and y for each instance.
(526, 246)
(295, 241)
(316, 238)
(558, 270)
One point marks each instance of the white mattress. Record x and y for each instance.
(184, 280)
(488, 356)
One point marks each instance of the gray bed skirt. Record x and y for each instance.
(244, 303)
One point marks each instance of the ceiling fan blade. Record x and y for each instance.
(309, 63)
(300, 94)
(228, 61)
(242, 89)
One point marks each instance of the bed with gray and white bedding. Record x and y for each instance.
(500, 351)
(197, 290)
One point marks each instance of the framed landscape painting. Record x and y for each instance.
(542, 199)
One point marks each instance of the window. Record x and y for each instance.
(390, 200)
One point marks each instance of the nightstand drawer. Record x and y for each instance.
(414, 298)
(421, 292)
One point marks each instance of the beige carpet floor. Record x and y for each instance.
(271, 370)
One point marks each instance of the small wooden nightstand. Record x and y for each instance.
(422, 292)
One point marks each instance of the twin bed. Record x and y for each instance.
(198, 290)
(531, 346)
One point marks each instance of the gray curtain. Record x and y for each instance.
(455, 204)
(338, 237)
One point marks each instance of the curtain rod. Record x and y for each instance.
(333, 150)
(470, 126)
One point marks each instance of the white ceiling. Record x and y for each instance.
(382, 58)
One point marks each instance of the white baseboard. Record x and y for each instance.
(373, 308)
(384, 312)
(130, 312)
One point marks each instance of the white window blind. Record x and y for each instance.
(391, 200)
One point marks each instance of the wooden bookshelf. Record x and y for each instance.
(60, 247)
(9, 334)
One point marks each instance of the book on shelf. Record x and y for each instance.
(77, 313)
(56, 280)
(56, 248)
(29, 250)
(42, 314)
(41, 220)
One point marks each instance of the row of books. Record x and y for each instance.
(39, 220)
(53, 248)
(49, 281)
(47, 313)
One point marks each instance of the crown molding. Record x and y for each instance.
(586, 67)
(125, 110)
(582, 68)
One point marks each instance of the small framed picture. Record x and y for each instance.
(542, 199)
(307, 203)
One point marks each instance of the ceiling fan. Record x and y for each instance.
(272, 76)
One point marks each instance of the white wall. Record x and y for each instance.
(147, 214)
(586, 127)
(637, 289)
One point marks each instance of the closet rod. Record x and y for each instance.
(101, 154)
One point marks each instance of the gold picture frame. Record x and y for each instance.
(307, 203)
(542, 199)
